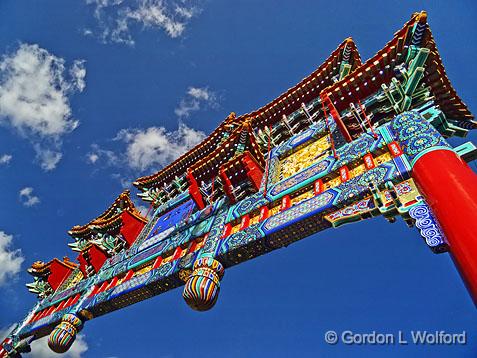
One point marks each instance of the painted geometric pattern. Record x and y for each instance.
(215, 233)
(67, 293)
(154, 239)
(359, 207)
(353, 189)
(355, 150)
(55, 317)
(428, 228)
(301, 210)
(246, 205)
(158, 249)
(240, 239)
(356, 187)
(349, 153)
(133, 283)
(416, 136)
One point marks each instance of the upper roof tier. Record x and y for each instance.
(110, 218)
(358, 84)
(39, 268)
(286, 103)
(208, 167)
(364, 80)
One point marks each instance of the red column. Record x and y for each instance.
(194, 191)
(450, 189)
(325, 99)
(254, 172)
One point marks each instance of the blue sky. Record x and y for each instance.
(117, 89)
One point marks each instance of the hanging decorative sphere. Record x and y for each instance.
(63, 336)
(202, 288)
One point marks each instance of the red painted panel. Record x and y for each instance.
(254, 172)
(97, 257)
(344, 173)
(82, 263)
(131, 227)
(245, 222)
(286, 203)
(194, 191)
(227, 230)
(156, 265)
(177, 253)
(263, 213)
(369, 161)
(58, 274)
(318, 187)
(395, 149)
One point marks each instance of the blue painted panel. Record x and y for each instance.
(171, 219)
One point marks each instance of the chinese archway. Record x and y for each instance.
(349, 142)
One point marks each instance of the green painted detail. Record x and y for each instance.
(411, 53)
(467, 151)
(345, 69)
(386, 134)
(402, 94)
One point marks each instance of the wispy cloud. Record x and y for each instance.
(116, 18)
(27, 198)
(144, 149)
(195, 99)
(40, 349)
(153, 148)
(103, 156)
(5, 158)
(35, 87)
(92, 158)
(10, 259)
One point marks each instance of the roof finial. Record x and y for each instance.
(422, 17)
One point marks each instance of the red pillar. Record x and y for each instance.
(194, 191)
(254, 172)
(450, 189)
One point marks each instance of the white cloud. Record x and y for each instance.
(10, 259)
(108, 157)
(34, 98)
(155, 146)
(40, 349)
(195, 99)
(5, 158)
(27, 198)
(48, 158)
(116, 17)
(93, 158)
(78, 74)
(147, 148)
